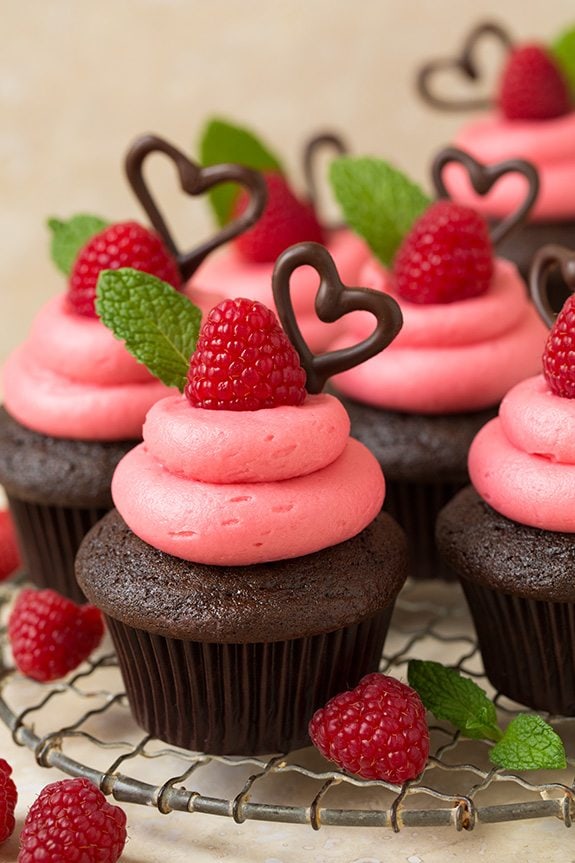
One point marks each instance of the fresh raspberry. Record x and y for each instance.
(50, 635)
(8, 798)
(9, 551)
(377, 730)
(125, 244)
(532, 86)
(71, 822)
(446, 256)
(559, 353)
(285, 221)
(244, 361)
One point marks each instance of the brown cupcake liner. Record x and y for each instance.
(241, 699)
(416, 505)
(528, 647)
(49, 537)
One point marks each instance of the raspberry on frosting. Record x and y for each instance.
(559, 353)
(533, 86)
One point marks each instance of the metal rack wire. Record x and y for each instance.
(459, 787)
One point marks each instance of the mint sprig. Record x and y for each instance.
(159, 325)
(69, 236)
(457, 699)
(378, 201)
(529, 743)
(222, 141)
(563, 49)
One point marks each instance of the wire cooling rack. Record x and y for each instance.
(83, 726)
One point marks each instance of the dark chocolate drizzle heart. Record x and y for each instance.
(194, 180)
(333, 300)
(317, 144)
(545, 260)
(465, 64)
(483, 177)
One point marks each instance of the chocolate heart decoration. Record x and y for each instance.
(324, 141)
(544, 261)
(483, 177)
(333, 301)
(194, 180)
(463, 63)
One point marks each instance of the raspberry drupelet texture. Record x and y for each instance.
(125, 244)
(8, 799)
(377, 730)
(285, 221)
(50, 635)
(446, 256)
(71, 822)
(559, 353)
(533, 86)
(9, 551)
(244, 361)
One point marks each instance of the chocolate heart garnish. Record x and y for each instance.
(465, 64)
(483, 177)
(333, 301)
(545, 260)
(324, 141)
(194, 180)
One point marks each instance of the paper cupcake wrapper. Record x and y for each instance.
(416, 505)
(241, 699)
(49, 538)
(528, 647)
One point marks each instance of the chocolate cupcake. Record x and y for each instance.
(469, 333)
(511, 538)
(248, 573)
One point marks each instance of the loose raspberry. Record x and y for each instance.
(125, 244)
(9, 551)
(285, 221)
(244, 361)
(446, 256)
(50, 635)
(71, 822)
(559, 353)
(532, 86)
(8, 798)
(377, 730)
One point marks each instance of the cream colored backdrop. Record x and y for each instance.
(80, 78)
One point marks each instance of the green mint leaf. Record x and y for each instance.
(563, 49)
(379, 202)
(69, 237)
(221, 141)
(159, 326)
(529, 743)
(458, 699)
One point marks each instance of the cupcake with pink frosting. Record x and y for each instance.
(510, 536)
(531, 116)
(469, 334)
(247, 571)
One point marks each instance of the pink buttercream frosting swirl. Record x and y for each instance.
(238, 488)
(547, 144)
(450, 357)
(73, 379)
(523, 462)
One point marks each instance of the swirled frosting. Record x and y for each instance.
(549, 145)
(73, 379)
(523, 462)
(449, 357)
(231, 276)
(221, 487)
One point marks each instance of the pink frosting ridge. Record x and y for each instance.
(449, 357)
(523, 462)
(73, 379)
(230, 275)
(547, 144)
(238, 488)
